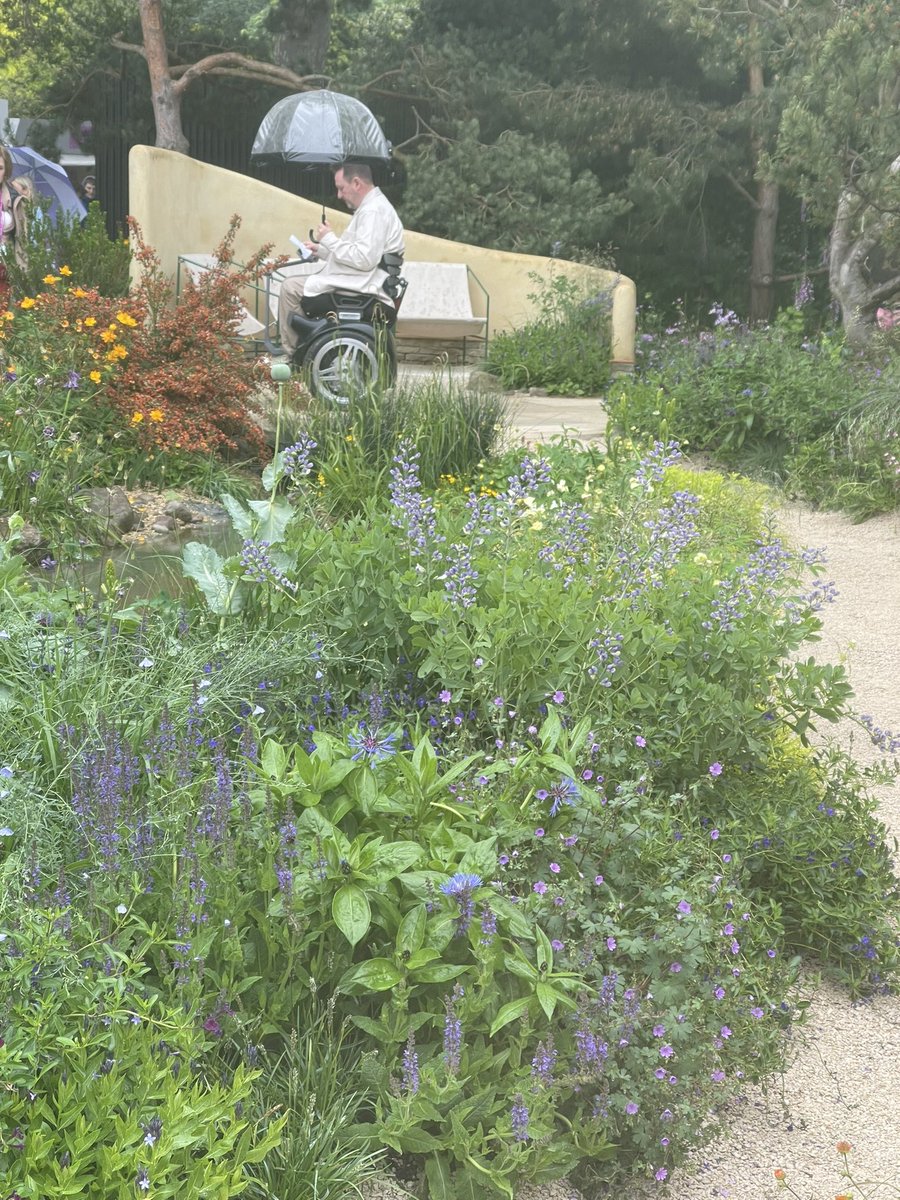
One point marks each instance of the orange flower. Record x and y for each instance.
(124, 319)
(79, 293)
(118, 352)
(109, 335)
(779, 1173)
(137, 418)
(157, 414)
(843, 1147)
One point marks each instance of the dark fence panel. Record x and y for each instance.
(124, 123)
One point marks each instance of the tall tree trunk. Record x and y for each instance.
(165, 95)
(302, 30)
(852, 241)
(765, 222)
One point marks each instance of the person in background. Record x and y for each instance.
(13, 224)
(351, 262)
(88, 189)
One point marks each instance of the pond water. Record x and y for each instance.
(145, 570)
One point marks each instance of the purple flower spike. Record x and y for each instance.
(460, 887)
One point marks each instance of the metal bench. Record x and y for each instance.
(438, 304)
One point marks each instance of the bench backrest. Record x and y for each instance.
(436, 291)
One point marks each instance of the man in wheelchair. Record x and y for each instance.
(365, 259)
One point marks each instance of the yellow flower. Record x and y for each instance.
(26, 303)
(124, 319)
(137, 418)
(65, 270)
(157, 414)
(109, 335)
(320, 479)
(79, 293)
(349, 438)
(95, 377)
(90, 322)
(8, 316)
(50, 279)
(64, 324)
(118, 352)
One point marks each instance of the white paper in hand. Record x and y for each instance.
(302, 250)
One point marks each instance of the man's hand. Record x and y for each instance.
(322, 230)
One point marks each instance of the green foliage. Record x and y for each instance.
(508, 784)
(794, 409)
(565, 350)
(311, 1081)
(452, 427)
(103, 1094)
(512, 193)
(90, 257)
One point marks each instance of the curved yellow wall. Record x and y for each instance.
(184, 206)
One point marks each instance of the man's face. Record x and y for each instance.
(348, 190)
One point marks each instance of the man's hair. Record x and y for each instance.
(355, 170)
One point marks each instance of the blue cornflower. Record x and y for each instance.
(370, 746)
(564, 792)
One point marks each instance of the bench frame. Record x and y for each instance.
(444, 329)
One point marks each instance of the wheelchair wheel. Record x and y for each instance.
(342, 365)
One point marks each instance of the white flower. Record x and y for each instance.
(146, 662)
(121, 909)
(258, 711)
(6, 831)
(227, 923)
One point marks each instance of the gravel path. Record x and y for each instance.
(844, 1083)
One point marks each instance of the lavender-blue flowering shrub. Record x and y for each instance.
(774, 402)
(512, 775)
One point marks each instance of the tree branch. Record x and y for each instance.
(886, 289)
(742, 191)
(227, 63)
(116, 41)
(223, 64)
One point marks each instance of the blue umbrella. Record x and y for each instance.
(50, 182)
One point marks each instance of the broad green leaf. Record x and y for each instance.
(395, 858)
(203, 564)
(273, 759)
(411, 933)
(274, 516)
(374, 975)
(510, 1012)
(439, 973)
(351, 912)
(240, 518)
(548, 998)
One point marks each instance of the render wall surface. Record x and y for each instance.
(184, 206)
